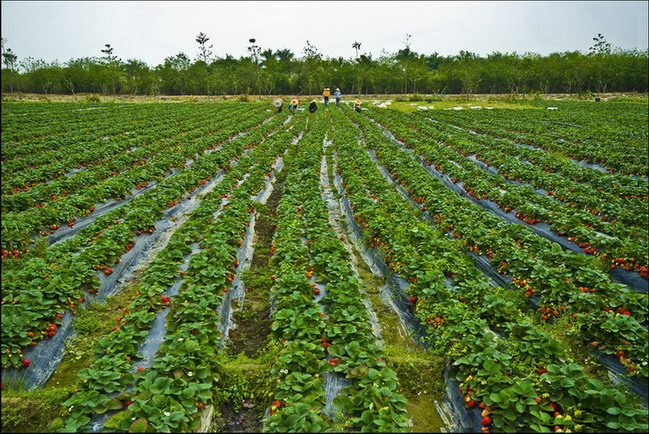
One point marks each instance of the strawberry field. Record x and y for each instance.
(223, 267)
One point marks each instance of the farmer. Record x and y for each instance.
(337, 95)
(279, 104)
(313, 107)
(357, 105)
(326, 94)
(292, 106)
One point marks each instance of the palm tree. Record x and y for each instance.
(356, 45)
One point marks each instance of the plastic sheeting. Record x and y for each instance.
(65, 232)
(618, 374)
(244, 257)
(45, 357)
(335, 220)
(151, 344)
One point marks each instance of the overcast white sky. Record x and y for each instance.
(153, 30)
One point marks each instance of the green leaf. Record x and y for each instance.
(115, 422)
(139, 426)
(205, 395)
(114, 404)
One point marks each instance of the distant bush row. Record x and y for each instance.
(281, 72)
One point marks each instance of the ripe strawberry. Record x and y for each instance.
(413, 299)
(316, 291)
(554, 406)
(486, 421)
(26, 363)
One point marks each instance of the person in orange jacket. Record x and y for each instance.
(326, 94)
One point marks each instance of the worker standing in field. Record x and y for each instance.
(313, 107)
(326, 94)
(337, 95)
(357, 105)
(292, 106)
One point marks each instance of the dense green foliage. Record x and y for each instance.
(282, 72)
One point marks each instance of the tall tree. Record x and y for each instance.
(357, 46)
(600, 46)
(204, 51)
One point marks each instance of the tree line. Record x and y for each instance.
(282, 72)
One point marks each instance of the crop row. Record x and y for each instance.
(582, 142)
(52, 157)
(30, 128)
(626, 231)
(324, 329)
(179, 384)
(610, 315)
(40, 288)
(550, 161)
(19, 228)
(520, 375)
(109, 159)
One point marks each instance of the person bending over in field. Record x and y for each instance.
(313, 107)
(357, 105)
(292, 106)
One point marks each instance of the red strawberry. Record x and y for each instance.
(486, 421)
(26, 363)
(413, 299)
(316, 291)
